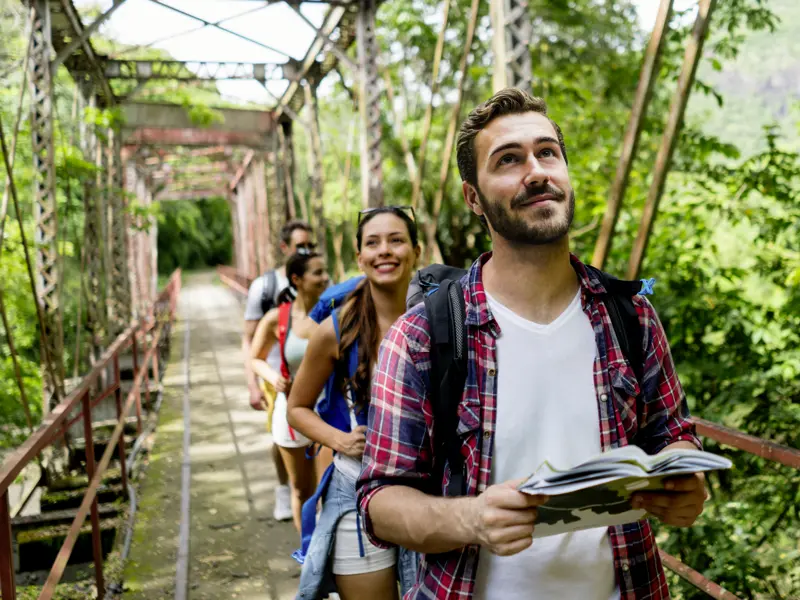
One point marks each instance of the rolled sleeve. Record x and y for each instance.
(397, 450)
(665, 413)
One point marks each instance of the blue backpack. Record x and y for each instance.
(333, 407)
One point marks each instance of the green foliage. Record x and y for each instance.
(192, 235)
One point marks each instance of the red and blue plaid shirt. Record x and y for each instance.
(651, 414)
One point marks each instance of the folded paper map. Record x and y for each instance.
(597, 493)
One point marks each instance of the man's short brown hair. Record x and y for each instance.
(292, 226)
(510, 101)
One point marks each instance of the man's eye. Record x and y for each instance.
(507, 159)
(370, 242)
(547, 152)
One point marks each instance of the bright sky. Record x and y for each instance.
(143, 22)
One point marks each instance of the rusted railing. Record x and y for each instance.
(779, 453)
(769, 450)
(54, 426)
(233, 279)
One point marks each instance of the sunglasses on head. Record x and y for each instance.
(408, 210)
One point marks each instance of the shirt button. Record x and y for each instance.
(492, 372)
(473, 551)
(625, 567)
(487, 435)
(603, 397)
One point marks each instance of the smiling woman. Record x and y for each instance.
(387, 253)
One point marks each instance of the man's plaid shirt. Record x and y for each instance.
(399, 445)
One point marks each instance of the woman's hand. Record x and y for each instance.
(283, 385)
(352, 444)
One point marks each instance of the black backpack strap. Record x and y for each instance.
(624, 318)
(446, 312)
(268, 291)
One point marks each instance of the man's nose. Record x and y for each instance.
(536, 174)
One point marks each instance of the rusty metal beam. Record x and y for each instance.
(174, 116)
(293, 97)
(369, 106)
(691, 58)
(511, 38)
(632, 134)
(749, 443)
(197, 194)
(695, 578)
(45, 208)
(83, 38)
(193, 137)
(175, 70)
(241, 170)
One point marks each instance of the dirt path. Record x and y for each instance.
(236, 549)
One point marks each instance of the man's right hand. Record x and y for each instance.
(503, 518)
(256, 399)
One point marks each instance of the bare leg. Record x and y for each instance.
(280, 468)
(301, 478)
(379, 585)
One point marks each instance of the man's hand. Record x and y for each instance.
(681, 502)
(256, 399)
(503, 518)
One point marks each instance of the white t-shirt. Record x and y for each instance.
(253, 312)
(546, 410)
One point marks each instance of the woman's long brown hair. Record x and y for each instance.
(359, 320)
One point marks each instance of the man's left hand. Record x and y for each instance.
(679, 504)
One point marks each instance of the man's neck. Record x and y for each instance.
(281, 271)
(535, 282)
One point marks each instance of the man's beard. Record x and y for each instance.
(517, 230)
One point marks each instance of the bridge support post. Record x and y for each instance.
(369, 106)
(315, 170)
(93, 239)
(45, 207)
(511, 45)
(274, 194)
(286, 166)
(120, 306)
(266, 251)
(132, 267)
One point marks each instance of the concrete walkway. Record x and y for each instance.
(236, 549)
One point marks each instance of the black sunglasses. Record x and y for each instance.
(407, 209)
(307, 246)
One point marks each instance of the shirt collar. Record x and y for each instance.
(478, 313)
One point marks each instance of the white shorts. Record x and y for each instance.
(346, 556)
(282, 434)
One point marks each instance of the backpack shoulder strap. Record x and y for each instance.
(446, 312)
(268, 291)
(284, 325)
(624, 318)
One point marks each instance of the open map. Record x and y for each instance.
(597, 493)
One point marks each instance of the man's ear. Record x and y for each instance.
(471, 198)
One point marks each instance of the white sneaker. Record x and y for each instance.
(283, 503)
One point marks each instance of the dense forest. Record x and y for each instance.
(725, 249)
